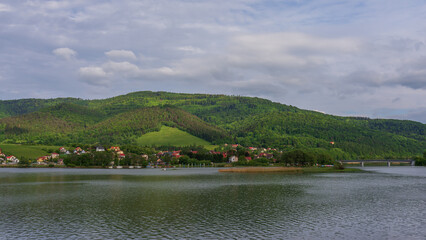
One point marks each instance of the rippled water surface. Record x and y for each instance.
(383, 203)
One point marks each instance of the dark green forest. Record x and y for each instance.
(216, 118)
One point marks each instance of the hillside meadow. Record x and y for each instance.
(27, 151)
(168, 136)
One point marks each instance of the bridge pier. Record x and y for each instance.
(389, 163)
(362, 164)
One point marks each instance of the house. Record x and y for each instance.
(119, 152)
(248, 158)
(115, 149)
(43, 159)
(233, 159)
(40, 160)
(78, 150)
(61, 162)
(62, 150)
(2, 155)
(144, 156)
(54, 155)
(176, 154)
(121, 156)
(100, 149)
(12, 159)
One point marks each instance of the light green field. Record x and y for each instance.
(171, 136)
(27, 151)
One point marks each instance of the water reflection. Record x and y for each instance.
(205, 204)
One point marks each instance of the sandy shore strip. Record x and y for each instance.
(261, 169)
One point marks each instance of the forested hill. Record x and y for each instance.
(215, 118)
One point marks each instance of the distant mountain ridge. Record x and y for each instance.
(215, 118)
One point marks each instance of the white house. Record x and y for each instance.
(100, 149)
(12, 159)
(233, 159)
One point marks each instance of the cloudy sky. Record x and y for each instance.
(351, 58)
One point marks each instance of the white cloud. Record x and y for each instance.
(125, 69)
(66, 53)
(212, 28)
(287, 49)
(5, 8)
(191, 49)
(94, 75)
(121, 55)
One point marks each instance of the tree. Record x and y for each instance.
(298, 157)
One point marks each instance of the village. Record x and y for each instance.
(231, 153)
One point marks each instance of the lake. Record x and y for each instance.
(382, 203)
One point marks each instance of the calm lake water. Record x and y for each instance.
(383, 203)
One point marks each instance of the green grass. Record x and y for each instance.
(171, 136)
(27, 151)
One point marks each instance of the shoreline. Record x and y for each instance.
(222, 170)
(287, 170)
(261, 169)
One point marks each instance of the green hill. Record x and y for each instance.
(168, 136)
(126, 127)
(67, 123)
(213, 118)
(74, 113)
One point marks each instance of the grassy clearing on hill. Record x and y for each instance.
(27, 151)
(170, 136)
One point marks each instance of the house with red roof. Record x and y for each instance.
(12, 159)
(115, 148)
(176, 154)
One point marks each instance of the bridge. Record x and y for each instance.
(388, 161)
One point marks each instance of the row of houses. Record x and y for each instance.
(231, 158)
(78, 150)
(5, 159)
(264, 153)
(49, 159)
